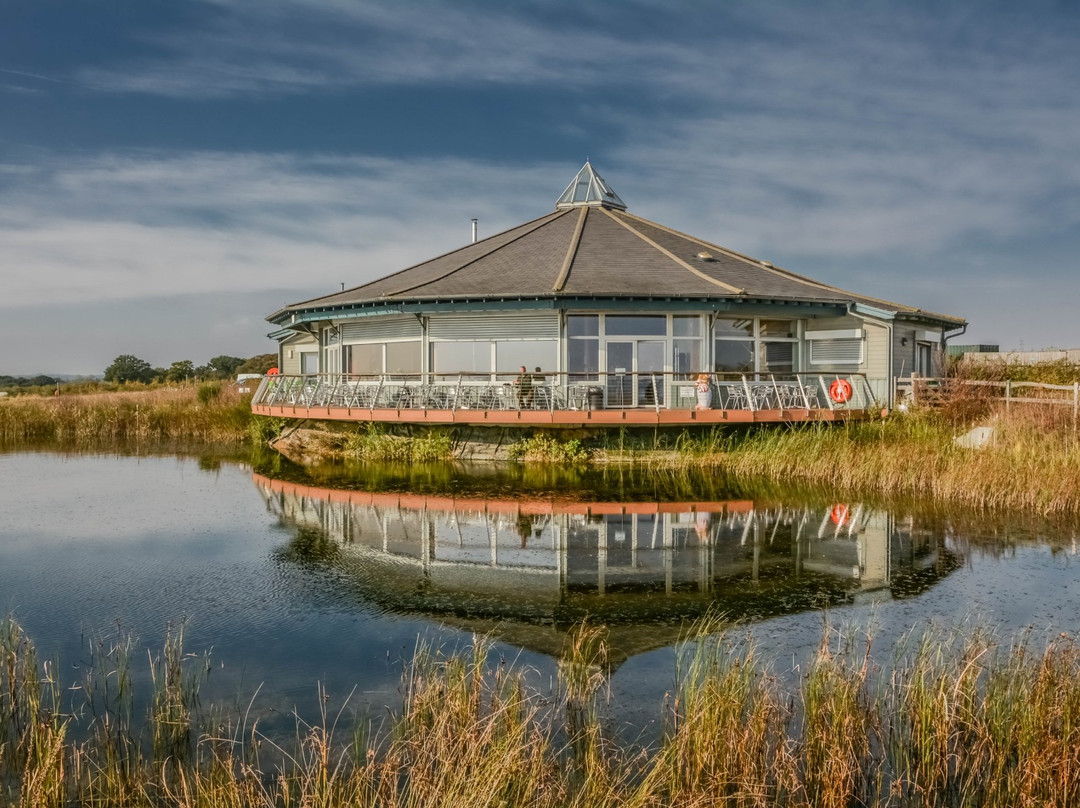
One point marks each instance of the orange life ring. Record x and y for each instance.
(839, 514)
(273, 372)
(840, 391)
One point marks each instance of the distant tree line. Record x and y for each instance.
(28, 381)
(129, 368)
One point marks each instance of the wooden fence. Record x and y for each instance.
(931, 392)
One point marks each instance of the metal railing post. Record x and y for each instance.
(826, 393)
(749, 395)
(802, 391)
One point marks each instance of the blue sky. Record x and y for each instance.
(171, 172)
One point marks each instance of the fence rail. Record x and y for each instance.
(927, 391)
(569, 391)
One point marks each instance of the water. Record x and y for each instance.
(292, 579)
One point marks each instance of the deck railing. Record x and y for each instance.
(569, 391)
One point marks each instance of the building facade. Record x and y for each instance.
(592, 293)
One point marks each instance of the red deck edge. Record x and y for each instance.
(534, 507)
(556, 418)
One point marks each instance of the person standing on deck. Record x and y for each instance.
(524, 384)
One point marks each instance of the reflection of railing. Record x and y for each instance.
(570, 391)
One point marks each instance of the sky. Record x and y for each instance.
(172, 171)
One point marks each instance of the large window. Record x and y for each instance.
(734, 348)
(686, 345)
(403, 357)
(512, 354)
(756, 346)
(471, 358)
(583, 347)
(635, 325)
(364, 360)
(371, 359)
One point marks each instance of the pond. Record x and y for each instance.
(295, 579)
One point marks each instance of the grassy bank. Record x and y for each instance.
(1026, 465)
(211, 412)
(951, 719)
(1031, 461)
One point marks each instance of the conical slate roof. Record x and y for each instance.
(590, 246)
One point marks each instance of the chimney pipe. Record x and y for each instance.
(474, 236)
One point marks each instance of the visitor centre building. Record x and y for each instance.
(614, 318)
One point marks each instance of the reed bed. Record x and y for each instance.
(958, 718)
(1032, 461)
(208, 413)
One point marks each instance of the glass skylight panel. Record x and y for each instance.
(589, 188)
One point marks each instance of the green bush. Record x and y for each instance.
(546, 449)
(208, 391)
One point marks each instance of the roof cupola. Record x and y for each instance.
(588, 189)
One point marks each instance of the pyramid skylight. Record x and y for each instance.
(589, 189)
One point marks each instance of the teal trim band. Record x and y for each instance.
(749, 306)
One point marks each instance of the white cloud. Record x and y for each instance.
(128, 226)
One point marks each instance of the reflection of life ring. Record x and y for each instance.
(273, 372)
(840, 391)
(839, 514)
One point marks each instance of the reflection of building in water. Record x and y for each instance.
(558, 560)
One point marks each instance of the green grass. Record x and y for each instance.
(373, 444)
(960, 718)
(541, 448)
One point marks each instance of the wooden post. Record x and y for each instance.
(1076, 403)
(1008, 395)
(914, 389)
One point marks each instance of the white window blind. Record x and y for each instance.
(836, 351)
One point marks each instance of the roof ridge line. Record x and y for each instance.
(784, 273)
(544, 220)
(673, 257)
(571, 251)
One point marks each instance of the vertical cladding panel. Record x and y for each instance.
(877, 350)
(903, 355)
(290, 354)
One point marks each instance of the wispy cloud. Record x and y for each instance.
(294, 47)
(117, 227)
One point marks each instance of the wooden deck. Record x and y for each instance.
(644, 416)
(559, 403)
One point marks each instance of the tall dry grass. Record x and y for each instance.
(1031, 462)
(209, 413)
(954, 719)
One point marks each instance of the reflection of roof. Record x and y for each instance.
(591, 247)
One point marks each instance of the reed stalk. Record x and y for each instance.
(961, 718)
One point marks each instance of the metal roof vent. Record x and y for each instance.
(704, 255)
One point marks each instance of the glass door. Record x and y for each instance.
(650, 368)
(620, 366)
(643, 357)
